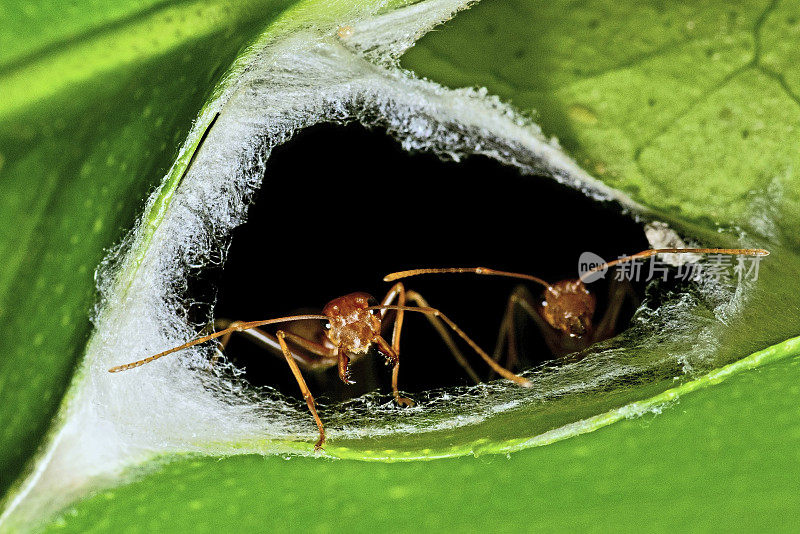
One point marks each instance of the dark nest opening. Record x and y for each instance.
(341, 206)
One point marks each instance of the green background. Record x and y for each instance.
(690, 108)
(701, 465)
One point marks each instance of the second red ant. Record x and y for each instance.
(565, 312)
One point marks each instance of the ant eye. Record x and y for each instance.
(326, 325)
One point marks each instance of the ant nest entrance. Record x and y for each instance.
(342, 205)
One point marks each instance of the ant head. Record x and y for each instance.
(568, 306)
(353, 327)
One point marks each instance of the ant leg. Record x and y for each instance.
(505, 336)
(505, 373)
(398, 292)
(441, 329)
(618, 293)
(326, 356)
(303, 388)
(521, 298)
(384, 347)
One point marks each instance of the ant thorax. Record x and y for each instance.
(568, 306)
(353, 328)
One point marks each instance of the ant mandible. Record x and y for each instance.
(564, 313)
(352, 326)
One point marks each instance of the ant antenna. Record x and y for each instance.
(644, 254)
(238, 328)
(473, 270)
(654, 251)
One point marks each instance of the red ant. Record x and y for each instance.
(564, 313)
(352, 326)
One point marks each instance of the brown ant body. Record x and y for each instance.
(565, 312)
(353, 325)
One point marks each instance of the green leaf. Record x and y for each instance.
(91, 117)
(687, 468)
(691, 109)
(655, 100)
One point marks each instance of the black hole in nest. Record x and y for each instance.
(341, 206)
